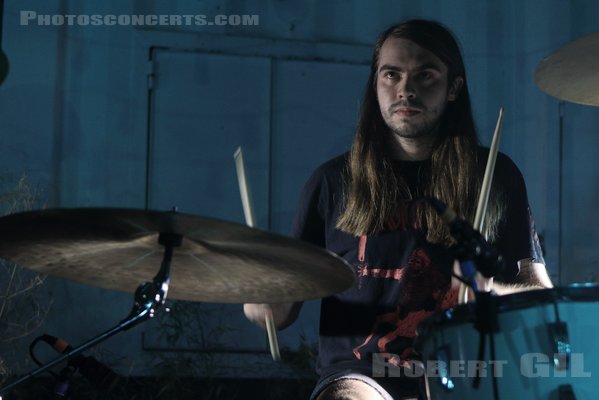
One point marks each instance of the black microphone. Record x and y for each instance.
(471, 245)
(100, 376)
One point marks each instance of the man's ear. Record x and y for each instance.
(455, 88)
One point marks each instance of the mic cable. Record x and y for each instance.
(99, 375)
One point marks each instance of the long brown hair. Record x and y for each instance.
(374, 193)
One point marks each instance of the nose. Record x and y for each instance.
(405, 88)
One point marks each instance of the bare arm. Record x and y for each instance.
(284, 313)
(533, 275)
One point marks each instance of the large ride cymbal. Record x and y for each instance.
(218, 261)
(572, 72)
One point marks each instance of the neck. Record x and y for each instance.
(412, 149)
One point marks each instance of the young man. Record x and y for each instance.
(415, 138)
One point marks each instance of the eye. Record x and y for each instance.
(392, 75)
(426, 75)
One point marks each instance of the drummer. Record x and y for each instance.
(415, 137)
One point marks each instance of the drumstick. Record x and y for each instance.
(244, 190)
(485, 190)
(250, 220)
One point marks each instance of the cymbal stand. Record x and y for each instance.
(149, 297)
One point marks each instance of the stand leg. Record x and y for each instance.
(149, 296)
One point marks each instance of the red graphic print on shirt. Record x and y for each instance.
(423, 289)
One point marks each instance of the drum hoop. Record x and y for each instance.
(461, 314)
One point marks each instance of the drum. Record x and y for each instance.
(544, 346)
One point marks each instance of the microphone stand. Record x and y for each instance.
(485, 308)
(149, 297)
(474, 254)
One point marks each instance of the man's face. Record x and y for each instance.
(412, 88)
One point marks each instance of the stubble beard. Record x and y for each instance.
(414, 130)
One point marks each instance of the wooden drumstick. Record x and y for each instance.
(483, 198)
(250, 220)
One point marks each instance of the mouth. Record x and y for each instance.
(407, 111)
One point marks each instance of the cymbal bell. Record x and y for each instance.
(572, 72)
(218, 261)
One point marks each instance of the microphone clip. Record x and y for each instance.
(470, 244)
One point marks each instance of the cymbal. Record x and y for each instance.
(218, 261)
(572, 72)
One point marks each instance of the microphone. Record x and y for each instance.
(471, 245)
(100, 376)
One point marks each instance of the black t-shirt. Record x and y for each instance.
(399, 281)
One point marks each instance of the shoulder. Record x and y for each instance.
(325, 183)
(334, 166)
(502, 158)
(505, 167)
(330, 172)
(318, 201)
